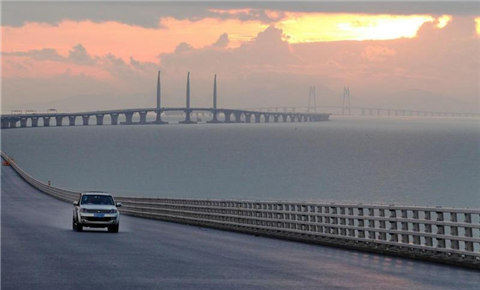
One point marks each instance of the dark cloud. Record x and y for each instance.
(38, 54)
(183, 47)
(79, 55)
(147, 14)
(222, 41)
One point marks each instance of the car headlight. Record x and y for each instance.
(113, 211)
(83, 210)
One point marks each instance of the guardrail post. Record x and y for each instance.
(416, 228)
(371, 224)
(334, 219)
(454, 231)
(361, 223)
(320, 220)
(468, 232)
(428, 229)
(327, 218)
(343, 230)
(405, 237)
(383, 234)
(351, 222)
(393, 226)
(440, 230)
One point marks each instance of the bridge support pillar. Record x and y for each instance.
(23, 122)
(267, 118)
(227, 117)
(214, 119)
(71, 120)
(5, 124)
(257, 118)
(188, 119)
(114, 118)
(248, 117)
(238, 117)
(292, 118)
(143, 117)
(284, 118)
(275, 118)
(34, 121)
(13, 124)
(128, 118)
(58, 120)
(46, 121)
(85, 119)
(99, 119)
(158, 118)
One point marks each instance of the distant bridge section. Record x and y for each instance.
(366, 111)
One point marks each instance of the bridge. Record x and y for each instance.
(366, 111)
(218, 115)
(440, 234)
(40, 251)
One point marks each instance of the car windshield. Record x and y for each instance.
(97, 199)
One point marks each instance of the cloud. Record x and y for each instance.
(79, 55)
(37, 54)
(183, 47)
(147, 14)
(438, 70)
(377, 53)
(222, 41)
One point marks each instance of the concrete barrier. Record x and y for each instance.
(439, 234)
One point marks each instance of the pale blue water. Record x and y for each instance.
(403, 161)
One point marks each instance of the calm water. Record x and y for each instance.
(401, 161)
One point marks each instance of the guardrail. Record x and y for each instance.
(446, 235)
(62, 194)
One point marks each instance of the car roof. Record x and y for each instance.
(95, 193)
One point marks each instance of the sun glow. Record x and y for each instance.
(315, 27)
(477, 25)
(443, 20)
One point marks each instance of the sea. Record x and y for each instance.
(402, 161)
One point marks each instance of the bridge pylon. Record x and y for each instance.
(346, 101)
(158, 119)
(188, 111)
(312, 99)
(214, 111)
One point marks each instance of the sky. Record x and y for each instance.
(80, 56)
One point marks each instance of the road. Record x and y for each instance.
(40, 251)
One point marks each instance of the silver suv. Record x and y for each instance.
(96, 210)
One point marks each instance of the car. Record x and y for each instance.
(96, 210)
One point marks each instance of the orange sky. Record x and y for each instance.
(145, 44)
(356, 48)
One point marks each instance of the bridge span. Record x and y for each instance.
(40, 251)
(218, 115)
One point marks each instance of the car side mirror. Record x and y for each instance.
(75, 203)
(119, 204)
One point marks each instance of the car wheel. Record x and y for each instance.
(79, 227)
(74, 226)
(113, 229)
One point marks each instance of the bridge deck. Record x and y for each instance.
(40, 251)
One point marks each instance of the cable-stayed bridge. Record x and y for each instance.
(129, 116)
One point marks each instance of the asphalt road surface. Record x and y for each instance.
(40, 251)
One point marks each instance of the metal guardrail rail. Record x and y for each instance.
(440, 234)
